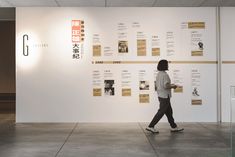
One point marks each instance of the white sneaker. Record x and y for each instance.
(152, 130)
(177, 129)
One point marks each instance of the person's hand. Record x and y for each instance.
(174, 86)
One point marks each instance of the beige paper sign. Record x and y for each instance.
(141, 47)
(144, 98)
(97, 91)
(96, 50)
(126, 92)
(196, 102)
(179, 89)
(197, 53)
(155, 51)
(196, 25)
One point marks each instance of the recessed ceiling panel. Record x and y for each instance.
(210, 3)
(117, 3)
(32, 3)
(4, 3)
(228, 3)
(178, 3)
(7, 14)
(81, 3)
(130, 3)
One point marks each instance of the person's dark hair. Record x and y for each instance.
(162, 65)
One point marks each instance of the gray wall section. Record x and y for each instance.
(7, 14)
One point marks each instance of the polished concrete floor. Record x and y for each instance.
(111, 140)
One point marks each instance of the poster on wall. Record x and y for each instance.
(78, 34)
(109, 83)
(96, 45)
(155, 45)
(196, 31)
(122, 38)
(97, 83)
(178, 80)
(196, 87)
(170, 43)
(143, 98)
(126, 83)
(197, 44)
(143, 87)
(141, 44)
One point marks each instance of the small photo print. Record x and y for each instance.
(200, 45)
(122, 46)
(108, 87)
(195, 92)
(144, 85)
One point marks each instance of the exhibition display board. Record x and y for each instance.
(99, 64)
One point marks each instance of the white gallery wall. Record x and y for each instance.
(228, 58)
(52, 86)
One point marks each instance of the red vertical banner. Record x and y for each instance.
(77, 38)
(76, 31)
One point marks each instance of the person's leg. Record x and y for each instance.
(169, 114)
(160, 113)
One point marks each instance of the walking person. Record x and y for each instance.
(164, 86)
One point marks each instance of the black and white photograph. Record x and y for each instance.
(144, 85)
(108, 87)
(122, 46)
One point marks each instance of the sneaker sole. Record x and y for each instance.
(177, 130)
(152, 131)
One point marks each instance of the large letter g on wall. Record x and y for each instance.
(25, 46)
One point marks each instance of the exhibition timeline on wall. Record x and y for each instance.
(103, 62)
(132, 40)
(132, 45)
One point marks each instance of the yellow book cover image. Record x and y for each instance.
(126, 92)
(144, 98)
(155, 51)
(196, 102)
(97, 91)
(141, 47)
(96, 50)
(179, 89)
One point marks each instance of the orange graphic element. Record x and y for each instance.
(76, 31)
